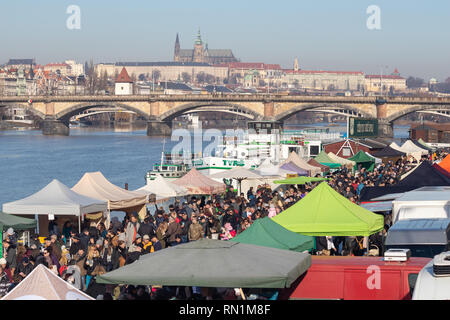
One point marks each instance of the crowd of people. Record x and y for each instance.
(79, 258)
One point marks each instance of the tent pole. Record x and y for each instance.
(79, 224)
(242, 294)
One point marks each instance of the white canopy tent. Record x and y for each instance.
(94, 184)
(56, 199)
(348, 163)
(377, 160)
(163, 189)
(267, 169)
(43, 284)
(410, 149)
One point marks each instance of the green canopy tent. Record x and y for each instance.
(324, 212)
(17, 223)
(299, 180)
(264, 232)
(324, 159)
(213, 263)
(361, 158)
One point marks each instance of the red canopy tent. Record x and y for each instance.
(197, 183)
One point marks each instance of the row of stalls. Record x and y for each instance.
(93, 198)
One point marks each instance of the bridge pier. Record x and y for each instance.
(385, 129)
(159, 128)
(52, 127)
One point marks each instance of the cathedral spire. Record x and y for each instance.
(199, 38)
(177, 49)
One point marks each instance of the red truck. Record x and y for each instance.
(356, 278)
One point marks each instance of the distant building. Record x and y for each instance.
(385, 83)
(24, 64)
(202, 53)
(62, 69)
(76, 69)
(124, 84)
(165, 71)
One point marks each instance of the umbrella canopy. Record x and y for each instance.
(324, 159)
(267, 233)
(162, 188)
(299, 162)
(17, 223)
(292, 167)
(214, 263)
(57, 199)
(197, 183)
(299, 180)
(322, 167)
(43, 284)
(95, 185)
(236, 173)
(324, 212)
(345, 162)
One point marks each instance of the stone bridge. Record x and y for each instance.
(160, 110)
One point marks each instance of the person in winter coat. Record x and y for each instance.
(173, 230)
(5, 282)
(10, 255)
(95, 289)
(196, 231)
(24, 268)
(184, 224)
(161, 233)
(132, 230)
(147, 227)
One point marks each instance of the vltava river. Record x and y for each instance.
(29, 160)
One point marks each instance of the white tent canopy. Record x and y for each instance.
(377, 160)
(43, 284)
(236, 173)
(94, 184)
(267, 169)
(299, 162)
(163, 189)
(56, 199)
(343, 161)
(410, 146)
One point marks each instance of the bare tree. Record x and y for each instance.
(186, 77)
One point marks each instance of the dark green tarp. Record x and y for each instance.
(267, 233)
(325, 160)
(213, 263)
(17, 223)
(361, 158)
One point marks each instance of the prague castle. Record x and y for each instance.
(202, 53)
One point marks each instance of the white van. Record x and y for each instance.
(433, 281)
(422, 203)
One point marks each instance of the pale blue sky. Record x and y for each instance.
(326, 34)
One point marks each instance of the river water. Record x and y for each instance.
(29, 160)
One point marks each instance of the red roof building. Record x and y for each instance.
(123, 77)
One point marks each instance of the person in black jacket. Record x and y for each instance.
(147, 227)
(76, 245)
(95, 289)
(24, 268)
(184, 224)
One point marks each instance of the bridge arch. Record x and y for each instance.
(177, 111)
(406, 111)
(293, 110)
(67, 113)
(25, 107)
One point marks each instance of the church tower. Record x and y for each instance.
(296, 65)
(198, 49)
(176, 55)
